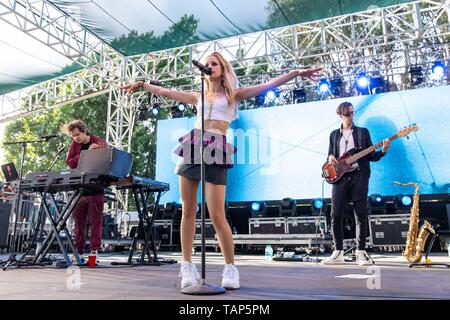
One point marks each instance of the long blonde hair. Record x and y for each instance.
(229, 79)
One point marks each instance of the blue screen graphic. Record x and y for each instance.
(281, 149)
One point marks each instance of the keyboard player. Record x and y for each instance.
(90, 206)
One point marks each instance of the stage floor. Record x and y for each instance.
(389, 278)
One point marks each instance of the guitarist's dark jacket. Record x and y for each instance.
(361, 137)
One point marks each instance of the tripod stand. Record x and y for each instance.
(17, 204)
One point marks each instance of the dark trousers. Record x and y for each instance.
(352, 187)
(89, 209)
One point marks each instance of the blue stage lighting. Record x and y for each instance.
(271, 95)
(324, 86)
(406, 201)
(438, 69)
(377, 84)
(363, 80)
(181, 107)
(256, 206)
(317, 204)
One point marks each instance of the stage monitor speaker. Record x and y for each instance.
(109, 162)
(5, 212)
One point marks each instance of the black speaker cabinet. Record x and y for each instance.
(5, 212)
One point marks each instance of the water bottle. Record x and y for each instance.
(269, 253)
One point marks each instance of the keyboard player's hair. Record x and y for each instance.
(74, 124)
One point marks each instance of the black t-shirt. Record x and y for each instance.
(85, 146)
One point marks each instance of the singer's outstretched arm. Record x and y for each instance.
(243, 93)
(185, 97)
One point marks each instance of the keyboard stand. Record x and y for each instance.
(58, 224)
(145, 227)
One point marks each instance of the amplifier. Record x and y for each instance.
(388, 230)
(5, 212)
(267, 225)
(109, 162)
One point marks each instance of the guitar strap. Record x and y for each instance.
(359, 135)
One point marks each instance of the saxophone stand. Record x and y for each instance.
(203, 288)
(428, 262)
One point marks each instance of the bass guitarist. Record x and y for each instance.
(353, 186)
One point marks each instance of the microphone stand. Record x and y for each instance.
(12, 258)
(203, 288)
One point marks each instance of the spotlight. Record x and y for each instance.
(177, 110)
(438, 70)
(336, 87)
(416, 75)
(170, 210)
(377, 84)
(323, 86)
(403, 201)
(259, 100)
(317, 204)
(258, 209)
(270, 95)
(155, 109)
(376, 200)
(299, 95)
(362, 83)
(143, 109)
(287, 207)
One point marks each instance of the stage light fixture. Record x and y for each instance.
(258, 209)
(416, 75)
(155, 109)
(287, 206)
(336, 87)
(438, 71)
(177, 110)
(299, 95)
(317, 204)
(259, 100)
(363, 83)
(271, 95)
(143, 112)
(377, 84)
(403, 201)
(376, 200)
(323, 86)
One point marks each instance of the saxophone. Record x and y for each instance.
(416, 239)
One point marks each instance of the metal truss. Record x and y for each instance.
(42, 21)
(384, 40)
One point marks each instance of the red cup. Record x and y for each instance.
(91, 260)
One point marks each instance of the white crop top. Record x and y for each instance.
(218, 110)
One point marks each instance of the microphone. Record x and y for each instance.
(204, 69)
(49, 136)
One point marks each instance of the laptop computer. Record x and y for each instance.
(10, 172)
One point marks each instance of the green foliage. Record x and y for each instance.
(179, 34)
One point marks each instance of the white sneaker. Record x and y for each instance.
(336, 257)
(361, 258)
(189, 275)
(230, 278)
